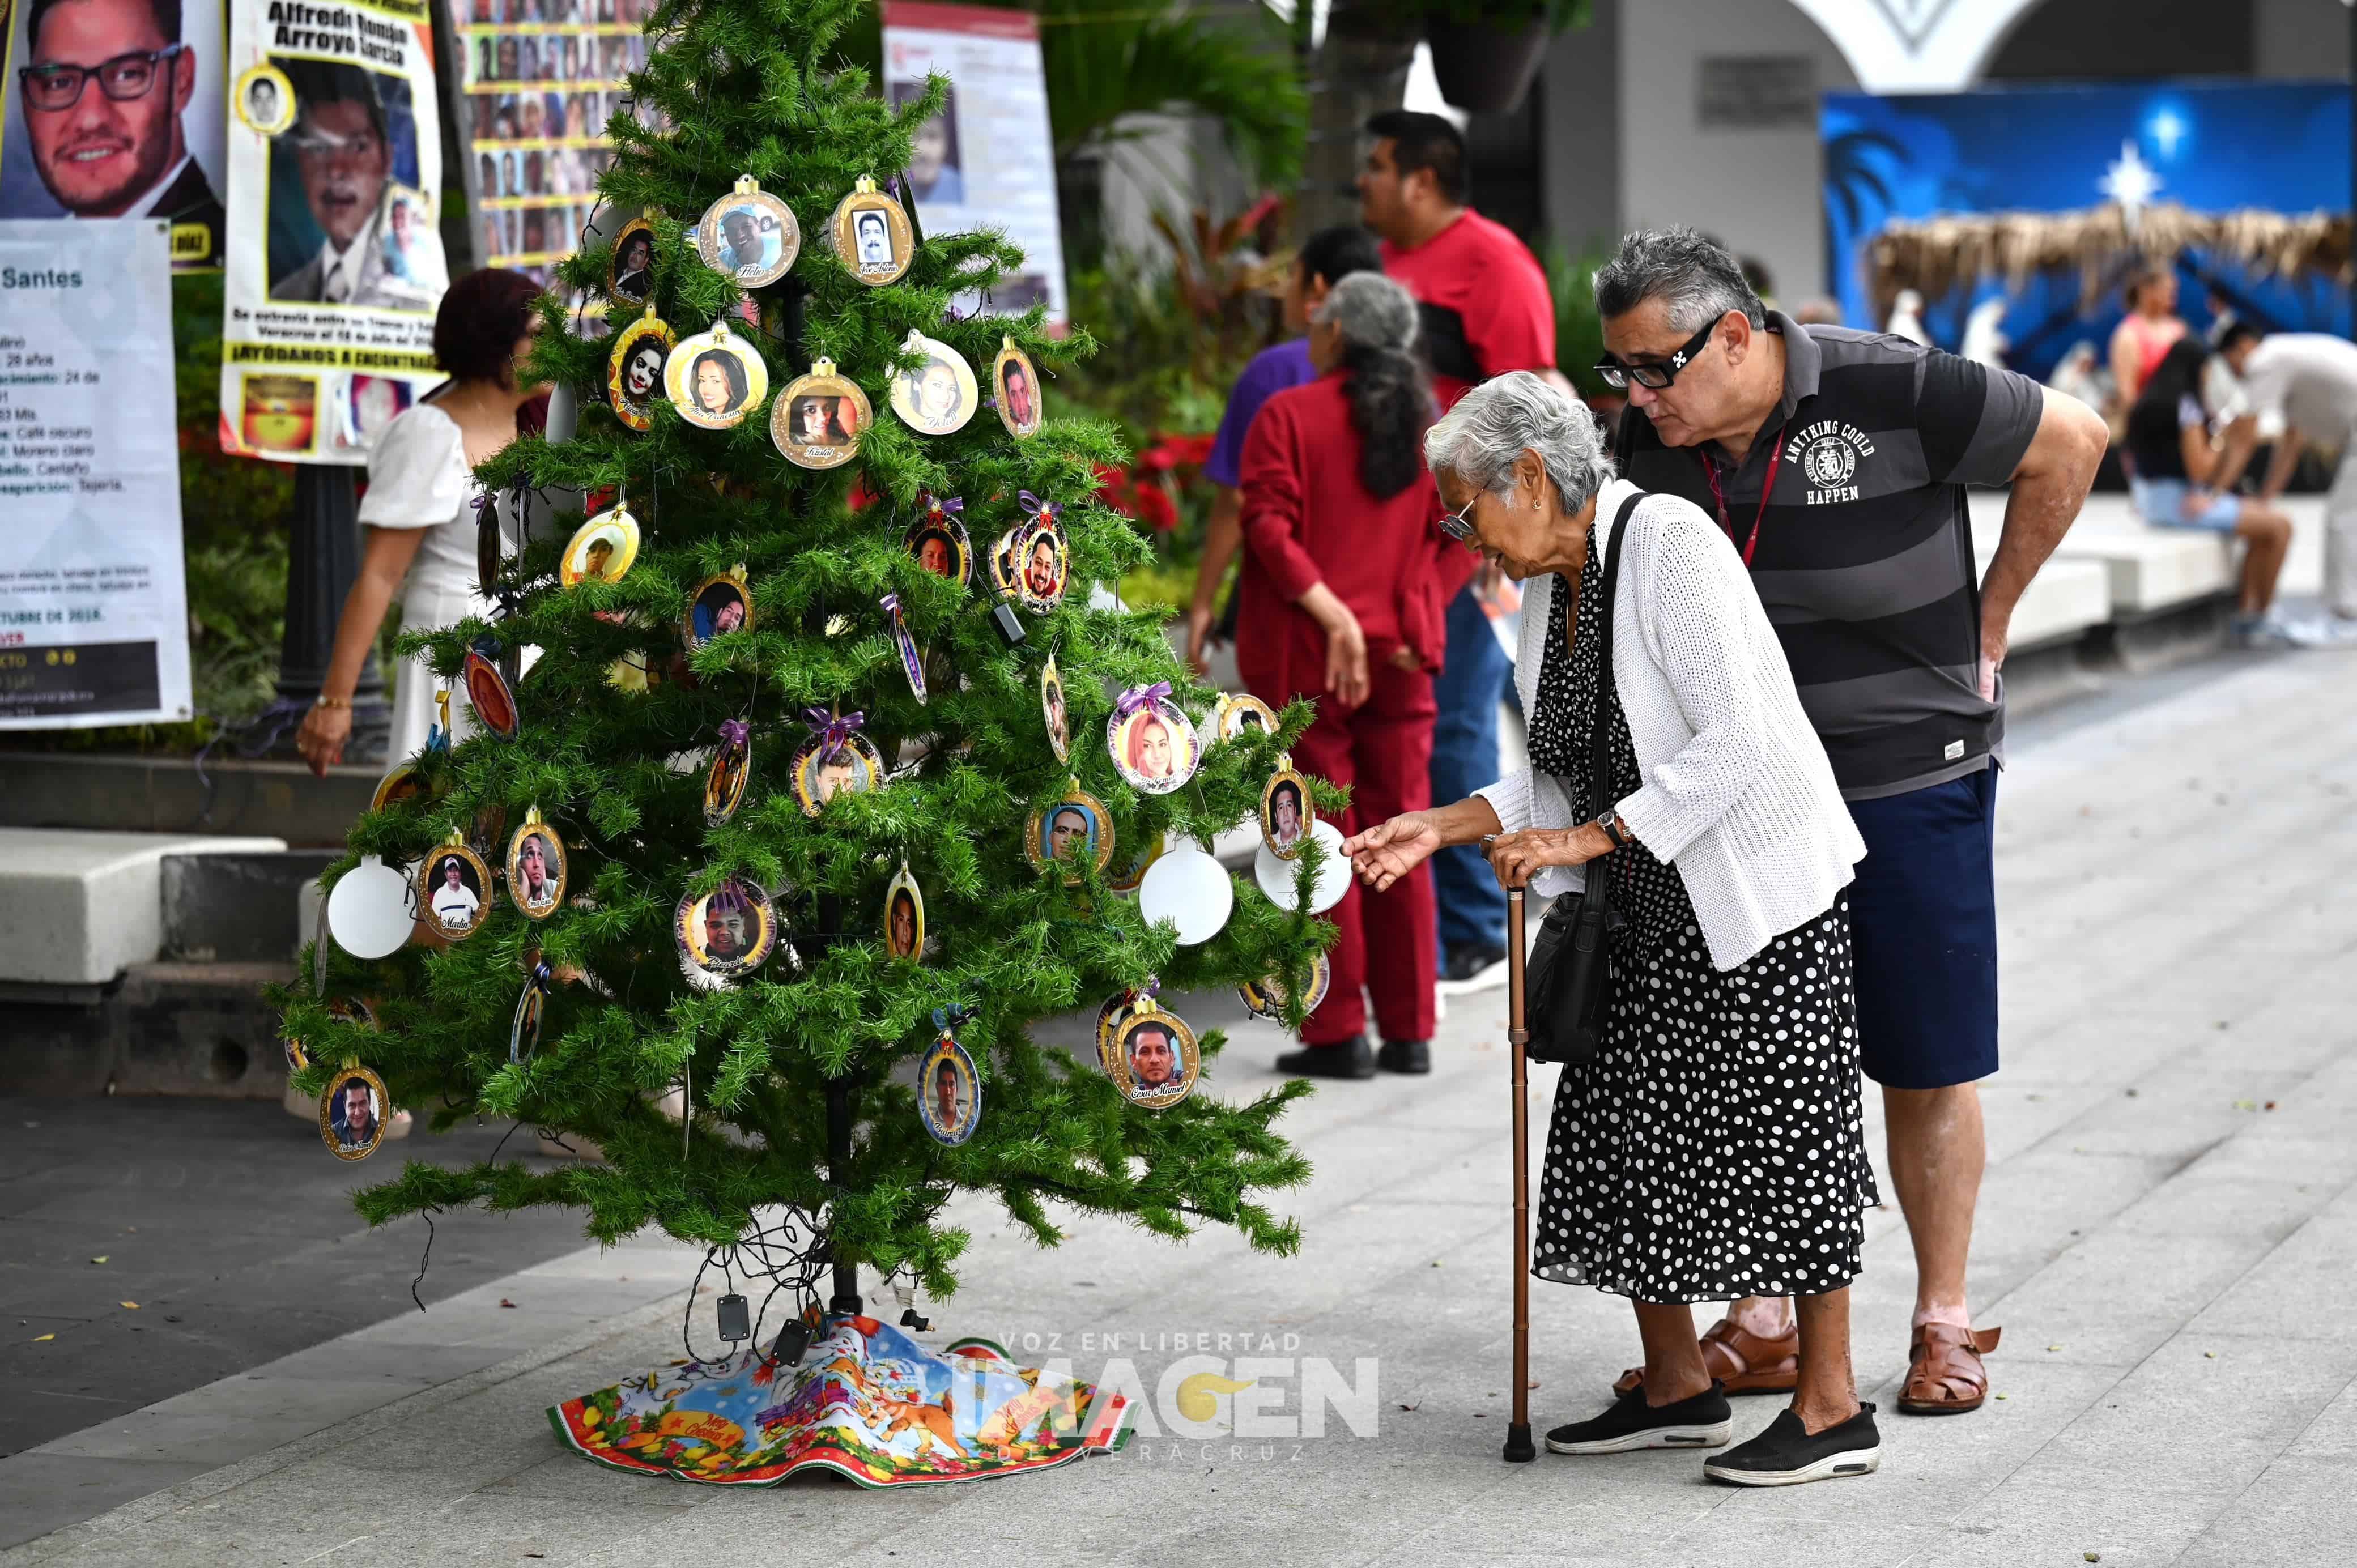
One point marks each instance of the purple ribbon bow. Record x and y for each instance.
(892, 603)
(728, 898)
(1138, 697)
(735, 732)
(832, 729)
(937, 509)
(1045, 511)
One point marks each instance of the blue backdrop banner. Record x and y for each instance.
(2281, 148)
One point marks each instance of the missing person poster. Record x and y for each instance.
(542, 78)
(987, 160)
(115, 109)
(335, 253)
(93, 607)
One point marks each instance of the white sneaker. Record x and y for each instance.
(2320, 632)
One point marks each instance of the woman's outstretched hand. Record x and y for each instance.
(1389, 851)
(321, 738)
(1518, 857)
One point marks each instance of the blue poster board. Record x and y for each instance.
(2214, 147)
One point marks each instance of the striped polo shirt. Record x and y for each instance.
(1864, 559)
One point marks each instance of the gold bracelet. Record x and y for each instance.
(325, 700)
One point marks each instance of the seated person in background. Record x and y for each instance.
(2168, 444)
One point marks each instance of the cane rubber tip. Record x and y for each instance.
(1520, 1449)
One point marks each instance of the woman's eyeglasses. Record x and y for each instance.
(1458, 524)
(1657, 373)
(126, 78)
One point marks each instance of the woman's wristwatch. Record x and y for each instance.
(1608, 820)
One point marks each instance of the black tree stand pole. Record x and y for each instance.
(1520, 1450)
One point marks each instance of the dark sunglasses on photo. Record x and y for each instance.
(1658, 373)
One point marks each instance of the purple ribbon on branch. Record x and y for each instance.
(937, 509)
(892, 603)
(735, 732)
(1138, 697)
(834, 729)
(1045, 512)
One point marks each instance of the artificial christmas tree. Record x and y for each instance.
(797, 822)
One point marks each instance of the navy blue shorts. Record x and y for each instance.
(1922, 916)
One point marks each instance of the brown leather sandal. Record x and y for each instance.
(1746, 1363)
(1945, 1375)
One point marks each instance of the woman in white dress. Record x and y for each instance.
(418, 518)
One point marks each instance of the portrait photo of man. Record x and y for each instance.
(353, 1116)
(724, 933)
(935, 175)
(106, 87)
(872, 242)
(1154, 1065)
(455, 903)
(1285, 815)
(262, 101)
(342, 152)
(742, 242)
(1070, 832)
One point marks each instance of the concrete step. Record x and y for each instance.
(169, 794)
(79, 908)
(200, 1029)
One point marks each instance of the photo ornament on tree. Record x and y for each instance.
(1286, 813)
(723, 603)
(836, 760)
(817, 420)
(870, 231)
(1053, 711)
(1153, 744)
(1241, 713)
(904, 915)
(949, 1095)
(353, 1112)
(631, 275)
(536, 867)
(731, 770)
(634, 372)
(454, 888)
(1154, 1057)
(728, 930)
(715, 379)
(1267, 999)
(1070, 831)
(939, 396)
(602, 549)
(749, 234)
(1015, 387)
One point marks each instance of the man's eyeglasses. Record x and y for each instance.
(53, 88)
(1458, 524)
(1658, 373)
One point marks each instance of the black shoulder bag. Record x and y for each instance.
(1567, 980)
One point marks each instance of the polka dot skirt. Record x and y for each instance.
(1714, 1147)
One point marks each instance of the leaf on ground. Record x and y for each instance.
(97, 1260)
(505, 1302)
(132, 1305)
(44, 1339)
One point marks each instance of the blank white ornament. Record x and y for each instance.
(368, 910)
(1190, 890)
(1276, 876)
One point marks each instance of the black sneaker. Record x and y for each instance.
(1474, 967)
(1704, 1421)
(1786, 1455)
(1404, 1056)
(1352, 1058)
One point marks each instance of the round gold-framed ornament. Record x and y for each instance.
(728, 932)
(715, 379)
(722, 603)
(1154, 1056)
(749, 235)
(1076, 822)
(602, 548)
(816, 422)
(353, 1112)
(870, 232)
(453, 890)
(537, 867)
(1287, 813)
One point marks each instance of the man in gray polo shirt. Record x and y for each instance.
(1836, 462)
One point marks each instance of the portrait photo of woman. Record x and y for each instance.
(716, 384)
(941, 549)
(939, 396)
(1153, 747)
(714, 378)
(634, 264)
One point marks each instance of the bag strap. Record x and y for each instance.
(1600, 754)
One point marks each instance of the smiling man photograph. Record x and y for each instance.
(343, 155)
(103, 90)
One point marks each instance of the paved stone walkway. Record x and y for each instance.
(2169, 1224)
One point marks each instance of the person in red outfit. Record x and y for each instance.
(1345, 587)
(1485, 310)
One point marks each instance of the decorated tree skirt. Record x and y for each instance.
(866, 1402)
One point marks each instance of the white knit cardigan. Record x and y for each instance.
(1737, 789)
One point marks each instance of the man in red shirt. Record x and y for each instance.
(1484, 309)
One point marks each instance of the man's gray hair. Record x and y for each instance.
(1499, 420)
(1370, 311)
(1694, 277)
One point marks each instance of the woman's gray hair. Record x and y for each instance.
(1370, 311)
(1499, 420)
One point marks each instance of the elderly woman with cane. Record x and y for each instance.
(1712, 1145)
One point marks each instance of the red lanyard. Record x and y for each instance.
(1710, 472)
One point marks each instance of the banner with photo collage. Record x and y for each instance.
(542, 78)
(335, 252)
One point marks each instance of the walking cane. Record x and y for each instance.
(1520, 1450)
